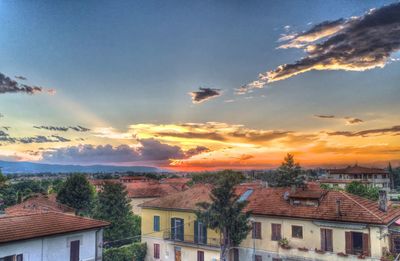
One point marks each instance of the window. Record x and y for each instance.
(200, 232)
(200, 256)
(258, 258)
(157, 251)
(177, 229)
(156, 223)
(235, 254)
(245, 195)
(256, 230)
(326, 240)
(12, 258)
(357, 243)
(74, 251)
(276, 232)
(297, 231)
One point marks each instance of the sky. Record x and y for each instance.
(200, 85)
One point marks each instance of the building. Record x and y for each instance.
(50, 236)
(37, 204)
(379, 178)
(290, 224)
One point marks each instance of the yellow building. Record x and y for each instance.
(307, 224)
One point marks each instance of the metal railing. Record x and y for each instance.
(190, 239)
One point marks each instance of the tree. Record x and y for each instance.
(77, 193)
(362, 190)
(113, 206)
(3, 179)
(225, 213)
(289, 173)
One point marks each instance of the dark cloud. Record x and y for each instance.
(354, 44)
(61, 128)
(150, 150)
(20, 77)
(204, 94)
(393, 130)
(195, 151)
(42, 139)
(5, 137)
(210, 135)
(7, 85)
(351, 120)
(325, 116)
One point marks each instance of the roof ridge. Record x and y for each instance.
(352, 199)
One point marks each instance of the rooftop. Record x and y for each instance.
(29, 226)
(150, 189)
(271, 202)
(357, 170)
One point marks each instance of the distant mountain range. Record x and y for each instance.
(32, 168)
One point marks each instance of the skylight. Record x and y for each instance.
(245, 195)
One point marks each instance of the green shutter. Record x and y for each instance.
(204, 240)
(173, 228)
(196, 231)
(156, 223)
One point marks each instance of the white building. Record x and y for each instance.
(50, 236)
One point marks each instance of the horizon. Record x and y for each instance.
(200, 86)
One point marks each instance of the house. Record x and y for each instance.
(140, 192)
(39, 203)
(288, 224)
(379, 178)
(50, 236)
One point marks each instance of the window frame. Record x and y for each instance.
(274, 227)
(156, 225)
(256, 230)
(156, 248)
(301, 231)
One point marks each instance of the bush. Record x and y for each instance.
(136, 252)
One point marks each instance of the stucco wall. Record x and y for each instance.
(53, 248)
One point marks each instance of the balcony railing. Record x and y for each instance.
(190, 239)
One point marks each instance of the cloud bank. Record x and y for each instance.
(354, 44)
(61, 128)
(204, 94)
(7, 85)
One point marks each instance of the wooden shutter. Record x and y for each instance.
(156, 251)
(156, 223)
(366, 248)
(349, 243)
(204, 239)
(329, 240)
(200, 256)
(278, 231)
(74, 251)
(323, 239)
(196, 232)
(172, 228)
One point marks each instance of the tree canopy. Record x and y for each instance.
(225, 213)
(362, 190)
(289, 173)
(113, 206)
(77, 193)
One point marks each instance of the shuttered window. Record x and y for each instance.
(200, 232)
(326, 240)
(156, 223)
(357, 243)
(276, 232)
(297, 231)
(200, 256)
(256, 230)
(156, 251)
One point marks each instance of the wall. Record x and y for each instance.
(135, 202)
(53, 248)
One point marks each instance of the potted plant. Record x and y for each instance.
(303, 249)
(361, 256)
(342, 254)
(284, 243)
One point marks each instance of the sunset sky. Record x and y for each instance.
(200, 85)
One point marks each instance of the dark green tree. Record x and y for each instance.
(225, 213)
(3, 179)
(289, 173)
(113, 206)
(77, 193)
(362, 190)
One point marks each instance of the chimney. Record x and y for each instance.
(382, 201)
(338, 210)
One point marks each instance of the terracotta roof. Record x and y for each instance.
(101, 182)
(185, 200)
(271, 202)
(14, 228)
(342, 181)
(308, 194)
(149, 189)
(133, 178)
(37, 204)
(357, 170)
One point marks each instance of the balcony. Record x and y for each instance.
(192, 241)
